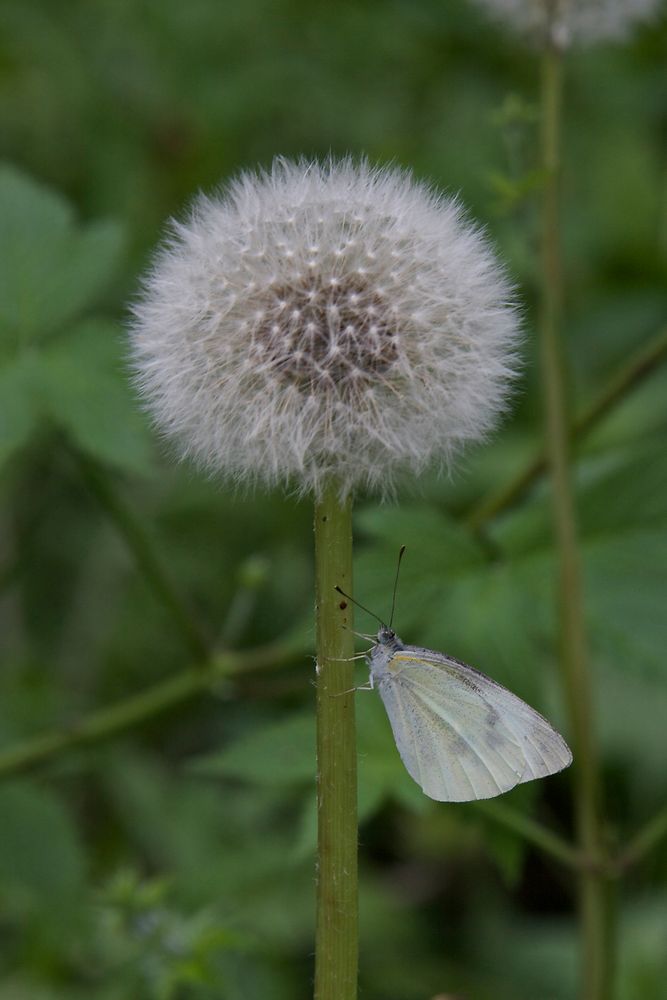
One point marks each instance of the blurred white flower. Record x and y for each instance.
(578, 21)
(324, 320)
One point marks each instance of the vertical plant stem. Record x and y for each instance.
(336, 945)
(597, 944)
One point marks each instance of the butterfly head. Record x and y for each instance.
(387, 637)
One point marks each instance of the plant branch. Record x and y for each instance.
(647, 838)
(336, 939)
(106, 722)
(631, 374)
(147, 559)
(532, 831)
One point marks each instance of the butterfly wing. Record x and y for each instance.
(461, 735)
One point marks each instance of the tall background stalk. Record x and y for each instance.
(597, 946)
(336, 947)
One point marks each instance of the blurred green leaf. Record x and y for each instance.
(19, 384)
(41, 856)
(78, 385)
(162, 947)
(124, 110)
(623, 523)
(456, 597)
(277, 754)
(282, 755)
(86, 394)
(50, 269)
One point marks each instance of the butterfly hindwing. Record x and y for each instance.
(461, 735)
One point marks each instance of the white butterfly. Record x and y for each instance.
(460, 735)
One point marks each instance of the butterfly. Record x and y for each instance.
(461, 735)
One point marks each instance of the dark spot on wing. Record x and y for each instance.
(493, 739)
(468, 683)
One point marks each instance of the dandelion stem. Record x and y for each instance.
(336, 947)
(595, 908)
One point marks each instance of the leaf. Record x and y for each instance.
(50, 269)
(50, 272)
(282, 754)
(453, 598)
(428, 533)
(78, 384)
(498, 612)
(19, 382)
(438, 552)
(627, 581)
(623, 529)
(625, 490)
(85, 392)
(41, 857)
(276, 754)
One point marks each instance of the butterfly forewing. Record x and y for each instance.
(461, 735)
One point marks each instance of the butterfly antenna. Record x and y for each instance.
(393, 598)
(359, 605)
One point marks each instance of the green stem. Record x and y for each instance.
(532, 831)
(638, 367)
(143, 550)
(107, 722)
(631, 374)
(596, 918)
(336, 945)
(643, 841)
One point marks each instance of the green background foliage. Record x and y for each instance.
(175, 860)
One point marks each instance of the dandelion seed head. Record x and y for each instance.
(325, 320)
(573, 21)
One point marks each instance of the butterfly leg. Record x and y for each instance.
(347, 659)
(359, 635)
(361, 687)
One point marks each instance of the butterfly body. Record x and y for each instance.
(460, 735)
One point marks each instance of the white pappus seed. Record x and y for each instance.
(581, 22)
(366, 374)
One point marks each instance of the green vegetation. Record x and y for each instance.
(157, 710)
